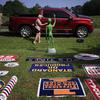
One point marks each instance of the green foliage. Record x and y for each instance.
(35, 9)
(1, 8)
(96, 21)
(14, 7)
(77, 9)
(92, 7)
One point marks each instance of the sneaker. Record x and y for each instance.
(34, 42)
(39, 41)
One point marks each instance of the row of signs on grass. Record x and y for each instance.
(92, 70)
(60, 87)
(81, 56)
(10, 62)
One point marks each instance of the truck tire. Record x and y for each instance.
(82, 31)
(25, 31)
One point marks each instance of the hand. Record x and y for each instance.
(33, 24)
(54, 15)
(45, 23)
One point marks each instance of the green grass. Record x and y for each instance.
(26, 87)
(96, 21)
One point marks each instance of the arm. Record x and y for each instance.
(40, 23)
(54, 21)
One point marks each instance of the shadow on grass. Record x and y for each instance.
(91, 50)
(9, 34)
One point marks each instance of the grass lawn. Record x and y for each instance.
(96, 21)
(26, 87)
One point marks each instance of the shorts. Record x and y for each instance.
(37, 31)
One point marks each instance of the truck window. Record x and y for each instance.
(60, 14)
(48, 14)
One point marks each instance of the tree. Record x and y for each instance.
(47, 6)
(92, 7)
(34, 9)
(77, 9)
(1, 8)
(14, 7)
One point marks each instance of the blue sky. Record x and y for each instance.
(51, 3)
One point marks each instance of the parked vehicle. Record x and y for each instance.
(66, 22)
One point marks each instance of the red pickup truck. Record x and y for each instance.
(66, 22)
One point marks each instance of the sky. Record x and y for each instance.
(51, 3)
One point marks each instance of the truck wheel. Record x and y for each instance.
(25, 31)
(82, 31)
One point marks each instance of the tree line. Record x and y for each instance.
(15, 7)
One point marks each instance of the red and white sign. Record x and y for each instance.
(8, 58)
(92, 70)
(95, 89)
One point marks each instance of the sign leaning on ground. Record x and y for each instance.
(60, 87)
(86, 56)
(95, 89)
(12, 64)
(92, 70)
(5, 58)
(2, 84)
(51, 68)
(3, 72)
(67, 59)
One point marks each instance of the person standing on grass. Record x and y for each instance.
(38, 25)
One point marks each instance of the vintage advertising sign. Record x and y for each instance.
(60, 87)
(67, 59)
(95, 89)
(51, 68)
(12, 64)
(5, 58)
(2, 84)
(92, 70)
(3, 72)
(86, 56)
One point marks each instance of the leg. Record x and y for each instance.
(36, 38)
(39, 37)
(52, 41)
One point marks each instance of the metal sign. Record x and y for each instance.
(60, 87)
(92, 70)
(85, 56)
(95, 89)
(51, 68)
(5, 58)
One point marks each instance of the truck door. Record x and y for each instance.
(63, 24)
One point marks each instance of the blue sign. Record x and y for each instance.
(60, 87)
(51, 68)
(67, 59)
